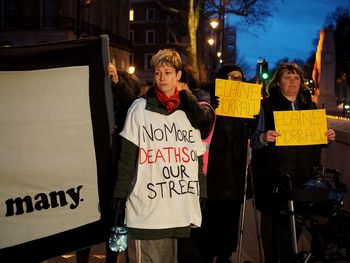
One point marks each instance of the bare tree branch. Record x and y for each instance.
(166, 7)
(253, 12)
(174, 35)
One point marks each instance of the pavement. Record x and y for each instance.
(249, 251)
(249, 248)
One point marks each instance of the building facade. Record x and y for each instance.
(137, 29)
(156, 26)
(153, 27)
(28, 22)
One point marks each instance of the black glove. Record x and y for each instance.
(214, 101)
(189, 103)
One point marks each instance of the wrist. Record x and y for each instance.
(262, 139)
(115, 79)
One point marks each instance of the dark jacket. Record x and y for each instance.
(227, 159)
(123, 97)
(271, 164)
(196, 105)
(228, 150)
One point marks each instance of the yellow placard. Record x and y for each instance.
(301, 127)
(237, 99)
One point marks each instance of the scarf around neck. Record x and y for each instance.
(170, 103)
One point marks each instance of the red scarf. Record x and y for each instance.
(170, 103)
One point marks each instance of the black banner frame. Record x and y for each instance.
(93, 52)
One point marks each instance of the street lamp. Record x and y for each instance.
(211, 41)
(214, 23)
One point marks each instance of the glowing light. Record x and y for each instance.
(214, 23)
(265, 75)
(131, 15)
(131, 70)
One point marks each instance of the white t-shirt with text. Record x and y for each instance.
(166, 191)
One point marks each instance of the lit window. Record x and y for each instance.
(131, 15)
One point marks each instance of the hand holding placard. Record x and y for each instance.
(237, 98)
(301, 127)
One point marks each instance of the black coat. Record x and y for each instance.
(227, 159)
(271, 164)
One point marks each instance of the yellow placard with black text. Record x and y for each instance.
(237, 99)
(301, 127)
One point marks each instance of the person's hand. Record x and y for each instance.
(112, 72)
(330, 133)
(270, 136)
(214, 101)
(183, 86)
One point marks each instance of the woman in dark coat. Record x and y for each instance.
(225, 179)
(270, 164)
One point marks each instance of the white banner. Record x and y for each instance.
(47, 157)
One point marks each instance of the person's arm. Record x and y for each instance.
(202, 183)
(112, 73)
(126, 169)
(257, 139)
(330, 135)
(124, 95)
(260, 137)
(202, 178)
(201, 115)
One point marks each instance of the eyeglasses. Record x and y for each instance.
(237, 78)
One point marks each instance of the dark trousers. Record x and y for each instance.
(221, 228)
(276, 237)
(217, 237)
(190, 249)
